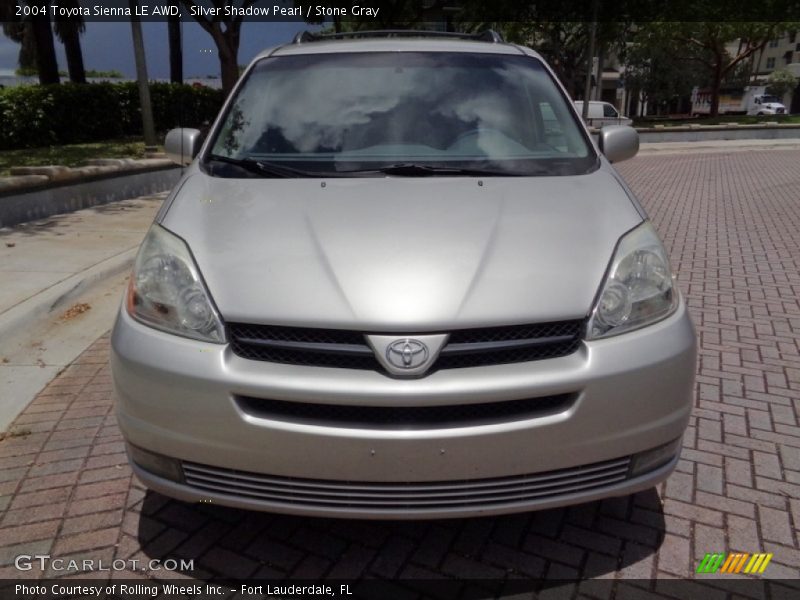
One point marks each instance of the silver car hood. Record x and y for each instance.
(401, 254)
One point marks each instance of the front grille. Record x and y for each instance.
(503, 345)
(477, 493)
(337, 348)
(404, 417)
(345, 349)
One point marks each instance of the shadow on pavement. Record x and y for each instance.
(36, 227)
(590, 540)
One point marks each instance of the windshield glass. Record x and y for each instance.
(405, 113)
(766, 99)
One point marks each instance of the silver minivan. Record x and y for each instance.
(398, 279)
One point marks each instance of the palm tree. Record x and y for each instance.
(22, 33)
(36, 36)
(68, 31)
(45, 49)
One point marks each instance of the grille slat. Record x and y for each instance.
(400, 417)
(405, 495)
(335, 486)
(308, 346)
(346, 349)
(475, 347)
(488, 492)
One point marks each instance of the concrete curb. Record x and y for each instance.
(20, 205)
(57, 297)
(717, 147)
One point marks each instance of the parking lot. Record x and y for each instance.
(732, 225)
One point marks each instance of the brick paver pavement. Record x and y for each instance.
(732, 225)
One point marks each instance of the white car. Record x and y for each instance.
(602, 114)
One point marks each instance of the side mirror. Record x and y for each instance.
(618, 142)
(182, 145)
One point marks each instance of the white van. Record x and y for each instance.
(602, 113)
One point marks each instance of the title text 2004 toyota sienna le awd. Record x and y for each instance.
(400, 281)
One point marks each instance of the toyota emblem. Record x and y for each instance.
(407, 353)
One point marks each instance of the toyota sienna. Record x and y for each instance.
(399, 279)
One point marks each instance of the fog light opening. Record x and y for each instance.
(652, 459)
(157, 464)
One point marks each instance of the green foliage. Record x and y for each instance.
(656, 71)
(705, 43)
(780, 82)
(26, 72)
(35, 115)
(112, 74)
(73, 155)
(741, 119)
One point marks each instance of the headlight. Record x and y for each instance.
(638, 289)
(167, 292)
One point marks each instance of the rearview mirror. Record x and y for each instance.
(618, 142)
(182, 145)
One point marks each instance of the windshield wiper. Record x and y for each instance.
(271, 169)
(267, 169)
(419, 170)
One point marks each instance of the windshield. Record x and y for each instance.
(766, 99)
(401, 113)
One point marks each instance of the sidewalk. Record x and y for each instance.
(61, 279)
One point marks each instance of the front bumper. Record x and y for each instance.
(179, 398)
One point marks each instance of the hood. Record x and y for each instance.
(400, 254)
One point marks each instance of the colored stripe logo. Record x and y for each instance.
(736, 562)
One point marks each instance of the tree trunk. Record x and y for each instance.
(175, 50)
(600, 65)
(45, 50)
(148, 125)
(72, 48)
(27, 49)
(229, 69)
(716, 84)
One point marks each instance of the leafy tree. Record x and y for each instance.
(225, 31)
(781, 82)
(553, 31)
(565, 46)
(655, 74)
(704, 42)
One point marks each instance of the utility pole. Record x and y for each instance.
(175, 52)
(148, 126)
(590, 62)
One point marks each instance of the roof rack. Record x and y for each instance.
(484, 36)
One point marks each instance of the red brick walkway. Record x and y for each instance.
(732, 224)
